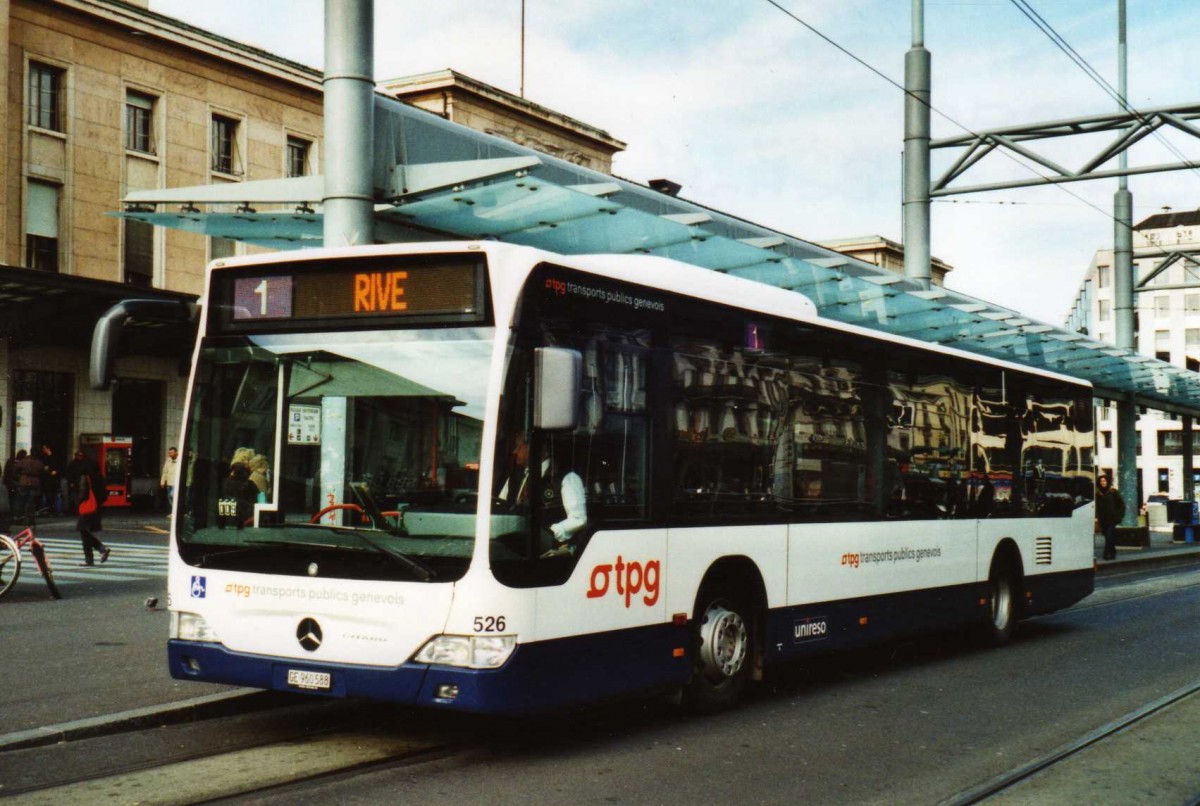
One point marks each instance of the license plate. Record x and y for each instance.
(318, 681)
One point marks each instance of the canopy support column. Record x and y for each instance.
(1189, 486)
(916, 153)
(1127, 469)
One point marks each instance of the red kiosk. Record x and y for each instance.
(111, 453)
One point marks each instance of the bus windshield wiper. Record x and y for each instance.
(423, 571)
(419, 569)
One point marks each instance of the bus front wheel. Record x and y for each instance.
(722, 636)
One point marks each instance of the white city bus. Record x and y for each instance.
(485, 477)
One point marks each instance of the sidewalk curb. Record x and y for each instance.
(199, 708)
(1128, 565)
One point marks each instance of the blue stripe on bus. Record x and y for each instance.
(812, 628)
(1052, 592)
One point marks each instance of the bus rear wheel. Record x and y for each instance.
(723, 651)
(1002, 605)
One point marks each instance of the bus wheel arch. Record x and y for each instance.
(727, 627)
(1006, 581)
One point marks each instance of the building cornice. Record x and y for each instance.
(451, 79)
(140, 21)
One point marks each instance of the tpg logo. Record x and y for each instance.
(199, 587)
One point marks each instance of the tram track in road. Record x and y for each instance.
(1143, 588)
(219, 758)
(1142, 773)
(236, 773)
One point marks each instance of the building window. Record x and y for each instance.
(1170, 443)
(41, 226)
(297, 156)
(45, 97)
(139, 122)
(1162, 306)
(1191, 303)
(1105, 312)
(53, 398)
(1191, 272)
(1103, 276)
(139, 253)
(224, 145)
(1107, 437)
(1191, 341)
(1162, 345)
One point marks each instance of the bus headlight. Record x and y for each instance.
(192, 627)
(468, 651)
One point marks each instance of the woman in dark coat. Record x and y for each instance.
(90, 480)
(1110, 509)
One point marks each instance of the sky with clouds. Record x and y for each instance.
(757, 116)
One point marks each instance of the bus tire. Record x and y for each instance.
(1003, 603)
(723, 648)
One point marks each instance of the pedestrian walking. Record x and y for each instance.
(1110, 509)
(91, 502)
(169, 477)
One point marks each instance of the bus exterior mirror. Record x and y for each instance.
(106, 336)
(558, 381)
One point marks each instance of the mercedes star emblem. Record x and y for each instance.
(309, 634)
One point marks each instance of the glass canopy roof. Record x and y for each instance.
(563, 208)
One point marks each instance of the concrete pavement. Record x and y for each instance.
(1162, 552)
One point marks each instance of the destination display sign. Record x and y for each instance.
(441, 288)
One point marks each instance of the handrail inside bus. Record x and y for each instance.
(106, 335)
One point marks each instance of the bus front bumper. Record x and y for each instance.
(538, 676)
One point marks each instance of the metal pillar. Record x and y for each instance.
(1123, 282)
(1126, 470)
(349, 122)
(917, 82)
(1189, 492)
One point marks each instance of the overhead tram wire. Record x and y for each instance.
(935, 110)
(1060, 41)
(1107, 214)
(1062, 44)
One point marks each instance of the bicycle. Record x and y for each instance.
(10, 561)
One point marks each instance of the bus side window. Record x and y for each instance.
(728, 417)
(608, 450)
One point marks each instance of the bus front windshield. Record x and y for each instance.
(349, 455)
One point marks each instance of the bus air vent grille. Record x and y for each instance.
(1044, 551)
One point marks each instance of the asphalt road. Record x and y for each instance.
(98, 650)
